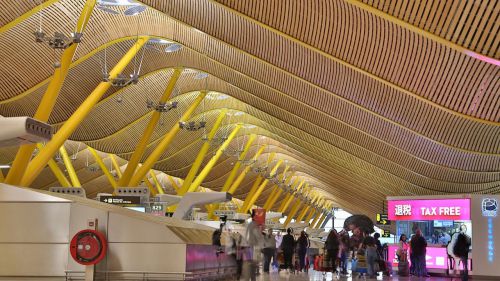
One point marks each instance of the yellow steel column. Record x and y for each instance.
(315, 220)
(61, 178)
(276, 192)
(148, 132)
(249, 197)
(37, 164)
(255, 185)
(157, 183)
(310, 215)
(49, 98)
(69, 167)
(103, 167)
(245, 171)
(320, 222)
(262, 186)
(164, 143)
(201, 154)
(115, 165)
(206, 170)
(151, 188)
(2, 178)
(292, 213)
(288, 195)
(287, 203)
(306, 209)
(173, 183)
(234, 171)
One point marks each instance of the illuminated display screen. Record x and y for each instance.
(437, 209)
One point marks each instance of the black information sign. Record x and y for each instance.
(386, 234)
(121, 200)
(383, 219)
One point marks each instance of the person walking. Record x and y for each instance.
(279, 239)
(344, 251)
(302, 245)
(418, 247)
(288, 246)
(269, 249)
(371, 255)
(254, 240)
(461, 250)
(332, 246)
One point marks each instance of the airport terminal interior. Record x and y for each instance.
(249, 140)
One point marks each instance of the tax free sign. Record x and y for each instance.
(432, 209)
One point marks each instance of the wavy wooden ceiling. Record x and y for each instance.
(366, 99)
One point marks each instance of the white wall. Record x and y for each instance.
(481, 265)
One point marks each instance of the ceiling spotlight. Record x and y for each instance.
(135, 10)
(59, 40)
(173, 48)
(192, 126)
(201, 76)
(121, 80)
(161, 107)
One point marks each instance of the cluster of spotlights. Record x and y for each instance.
(121, 80)
(192, 126)
(161, 107)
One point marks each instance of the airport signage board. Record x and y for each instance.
(432, 209)
(121, 200)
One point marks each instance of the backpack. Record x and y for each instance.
(461, 247)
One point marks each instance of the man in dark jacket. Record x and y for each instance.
(288, 246)
(418, 247)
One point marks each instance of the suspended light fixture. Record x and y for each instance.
(161, 107)
(192, 126)
(131, 7)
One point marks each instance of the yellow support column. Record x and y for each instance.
(61, 178)
(292, 213)
(1, 176)
(276, 191)
(315, 220)
(290, 199)
(148, 132)
(255, 185)
(69, 167)
(245, 171)
(37, 164)
(49, 98)
(157, 183)
(201, 154)
(320, 222)
(164, 143)
(262, 186)
(103, 167)
(303, 213)
(115, 165)
(246, 205)
(234, 171)
(151, 188)
(281, 208)
(206, 170)
(173, 183)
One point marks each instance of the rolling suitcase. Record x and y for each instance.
(403, 268)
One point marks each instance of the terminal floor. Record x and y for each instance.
(318, 276)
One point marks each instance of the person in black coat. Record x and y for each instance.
(288, 246)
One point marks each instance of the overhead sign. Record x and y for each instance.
(434, 209)
(224, 213)
(383, 219)
(121, 200)
(386, 234)
(489, 207)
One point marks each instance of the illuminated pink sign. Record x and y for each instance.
(435, 257)
(438, 209)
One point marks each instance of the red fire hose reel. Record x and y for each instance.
(88, 247)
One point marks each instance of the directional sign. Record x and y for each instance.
(383, 219)
(386, 234)
(121, 200)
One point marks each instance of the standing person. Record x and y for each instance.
(269, 249)
(418, 246)
(279, 239)
(254, 240)
(233, 249)
(402, 252)
(461, 250)
(288, 245)
(332, 246)
(371, 255)
(380, 249)
(303, 245)
(344, 251)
